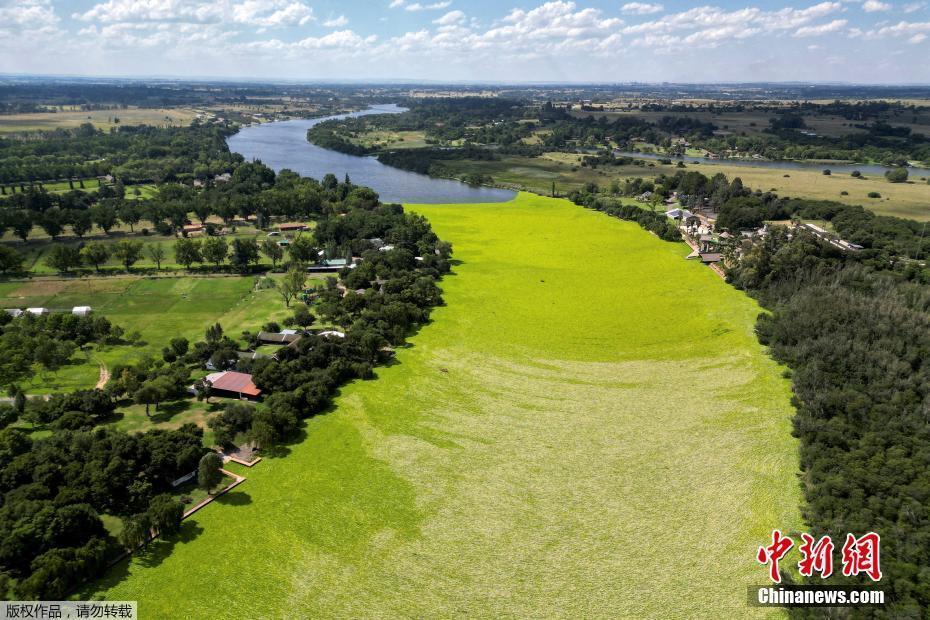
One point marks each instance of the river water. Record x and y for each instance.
(284, 144)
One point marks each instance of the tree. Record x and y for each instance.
(136, 531)
(103, 215)
(208, 472)
(127, 252)
(292, 285)
(128, 212)
(63, 257)
(896, 175)
(215, 250)
(302, 250)
(96, 254)
(244, 253)
(303, 316)
(179, 345)
(10, 259)
(156, 252)
(22, 224)
(187, 252)
(165, 514)
(52, 222)
(153, 392)
(81, 222)
(272, 250)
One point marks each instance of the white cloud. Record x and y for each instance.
(452, 17)
(259, 13)
(820, 29)
(641, 8)
(917, 38)
(710, 27)
(396, 3)
(337, 22)
(416, 6)
(913, 7)
(871, 6)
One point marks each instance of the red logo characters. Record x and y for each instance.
(859, 555)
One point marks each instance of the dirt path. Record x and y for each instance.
(104, 377)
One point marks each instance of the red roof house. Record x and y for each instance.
(233, 384)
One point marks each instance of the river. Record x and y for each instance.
(283, 144)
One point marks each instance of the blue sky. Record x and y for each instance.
(865, 41)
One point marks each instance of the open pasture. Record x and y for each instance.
(157, 308)
(584, 394)
(101, 119)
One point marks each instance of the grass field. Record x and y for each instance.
(587, 428)
(159, 309)
(537, 174)
(101, 119)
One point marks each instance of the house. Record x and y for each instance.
(386, 248)
(250, 356)
(278, 338)
(192, 229)
(679, 214)
(708, 243)
(376, 242)
(81, 311)
(329, 264)
(288, 332)
(37, 311)
(711, 257)
(295, 226)
(232, 384)
(223, 178)
(331, 333)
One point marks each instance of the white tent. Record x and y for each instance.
(81, 310)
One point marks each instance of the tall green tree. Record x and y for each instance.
(208, 471)
(96, 254)
(273, 251)
(127, 252)
(214, 250)
(187, 252)
(156, 252)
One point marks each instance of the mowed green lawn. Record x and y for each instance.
(587, 428)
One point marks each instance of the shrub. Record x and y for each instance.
(896, 175)
(874, 195)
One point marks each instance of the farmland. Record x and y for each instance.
(584, 394)
(102, 119)
(537, 174)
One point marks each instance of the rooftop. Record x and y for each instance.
(231, 381)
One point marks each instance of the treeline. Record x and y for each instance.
(134, 154)
(653, 221)
(856, 341)
(253, 191)
(429, 160)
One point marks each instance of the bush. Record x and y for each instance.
(897, 175)
(826, 172)
(874, 195)
(856, 174)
